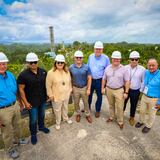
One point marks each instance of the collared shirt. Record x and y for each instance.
(97, 65)
(58, 85)
(8, 89)
(136, 75)
(152, 82)
(115, 77)
(35, 89)
(79, 75)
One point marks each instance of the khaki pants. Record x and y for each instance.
(10, 117)
(116, 103)
(60, 109)
(147, 104)
(81, 93)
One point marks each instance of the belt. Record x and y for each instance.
(8, 105)
(79, 86)
(115, 88)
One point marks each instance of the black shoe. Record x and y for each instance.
(45, 130)
(33, 139)
(145, 129)
(138, 125)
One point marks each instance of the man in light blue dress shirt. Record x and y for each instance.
(9, 108)
(97, 63)
(151, 96)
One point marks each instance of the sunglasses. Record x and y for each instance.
(79, 57)
(133, 59)
(60, 62)
(35, 62)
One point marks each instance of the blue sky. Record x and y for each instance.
(83, 20)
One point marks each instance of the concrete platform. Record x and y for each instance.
(96, 141)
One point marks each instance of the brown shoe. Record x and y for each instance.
(89, 119)
(120, 126)
(78, 118)
(131, 121)
(97, 114)
(109, 120)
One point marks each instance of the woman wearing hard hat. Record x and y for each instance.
(58, 84)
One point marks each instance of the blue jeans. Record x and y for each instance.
(96, 85)
(37, 113)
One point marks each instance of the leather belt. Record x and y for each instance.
(79, 86)
(8, 105)
(115, 88)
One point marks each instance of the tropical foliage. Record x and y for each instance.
(17, 52)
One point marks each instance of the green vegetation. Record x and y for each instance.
(17, 52)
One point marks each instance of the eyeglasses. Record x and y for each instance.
(34, 62)
(133, 59)
(60, 62)
(79, 57)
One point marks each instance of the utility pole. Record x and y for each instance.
(51, 31)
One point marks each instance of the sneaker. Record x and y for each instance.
(44, 130)
(131, 121)
(145, 129)
(22, 141)
(138, 125)
(69, 121)
(33, 139)
(13, 153)
(58, 126)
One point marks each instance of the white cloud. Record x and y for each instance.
(85, 20)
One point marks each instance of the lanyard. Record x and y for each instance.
(131, 76)
(150, 80)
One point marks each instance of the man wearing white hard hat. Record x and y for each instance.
(97, 63)
(9, 108)
(136, 74)
(32, 89)
(58, 84)
(81, 84)
(116, 79)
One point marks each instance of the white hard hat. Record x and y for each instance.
(134, 54)
(78, 54)
(98, 44)
(60, 58)
(116, 54)
(3, 57)
(31, 57)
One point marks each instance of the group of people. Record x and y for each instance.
(34, 87)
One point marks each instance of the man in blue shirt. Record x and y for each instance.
(81, 82)
(9, 108)
(151, 95)
(97, 63)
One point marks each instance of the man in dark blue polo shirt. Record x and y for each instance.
(32, 89)
(9, 108)
(81, 82)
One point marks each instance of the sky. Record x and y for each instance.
(109, 21)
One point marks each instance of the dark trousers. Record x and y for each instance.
(37, 113)
(134, 96)
(96, 85)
